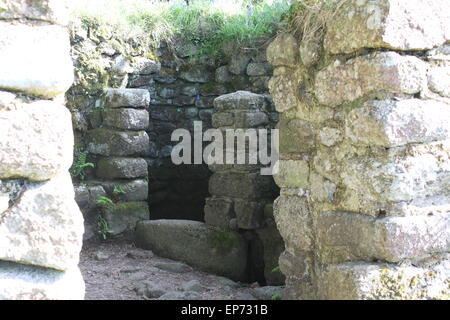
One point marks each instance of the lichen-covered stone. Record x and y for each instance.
(362, 76)
(197, 73)
(258, 69)
(46, 222)
(36, 141)
(218, 212)
(292, 216)
(35, 59)
(389, 239)
(117, 98)
(439, 81)
(292, 174)
(204, 247)
(296, 136)
(284, 90)
(402, 25)
(126, 119)
(25, 282)
(239, 63)
(122, 168)
(391, 123)
(108, 142)
(378, 281)
(283, 51)
(143, 65)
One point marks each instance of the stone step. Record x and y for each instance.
(119, 98)
(126, 119)
(201, 246)
(122, 168)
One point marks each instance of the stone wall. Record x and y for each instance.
(182, 85)
(41, 227)
(364, 208)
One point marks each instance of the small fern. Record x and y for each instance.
(102, 228)
(80, 164)
(103, 201)
(118, 190)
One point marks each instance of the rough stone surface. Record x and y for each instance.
(439, 81)
(123, 217)
(37, 141)
(27, 63)
(390, 123)
(22, 282)
(122, 168)
(402, 25)
(249, 214)
(367, 75)
(292, 174)
(56, 11)
(126, 119)
(117, 98)
(107, 142)
(219, 212)
(46, 222)
(242, 100)
(283, 51)
(204, 247)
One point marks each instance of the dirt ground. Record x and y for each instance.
(120, 271)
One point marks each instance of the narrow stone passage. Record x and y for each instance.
(120, 271)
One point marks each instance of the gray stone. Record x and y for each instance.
(150, 289)
(379, 281)
(390, 239)
(194, 286)
(117, 98)
(391, 123)
(292, 174)
(284, 91)
(108, 142)
(240, 100)
(143, 65)
(239, 63)
(190, 90)
(37, 141)
(410, 25)
(100, 255)
(204, 247)
(205, 102)
(197, 73)
(167, 92)
(122, 168)
(250, 119)
(130, 190)
(206, 115)
(191, 113)
(249, 214)
(46, 223)
(439, 81)
(123, 217)
(176, 295)
(330, 136)
(219, 212)
(126, 119)
(258, 69)
(35, 59)
(25, 282)
(175, 267)
(222, 75)
(222, 119)
(241, 185)
(367, 75)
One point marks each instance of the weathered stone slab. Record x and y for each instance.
(55, 11)
(108, 142)
(44, 226)
(124, 216)
(219, 212)
(203, 247)
(118, 98)
(402, 25)
(241, 185)
(144, 66)
(391, 123)
(240, 100)
(122, 168)
(249, 214)
(126, 191)
(36, 141)
(35, 59)
(389, 239)
(23, 282)
(197, 73)
(284, 90)
(126, 119)
(258, 69)
(365, 75)
(377, 281)
(292, 217)
(439, 81)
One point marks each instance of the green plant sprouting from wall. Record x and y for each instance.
(80, 164)
(104, 202)
(102, 228)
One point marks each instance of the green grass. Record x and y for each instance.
(206, 24)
